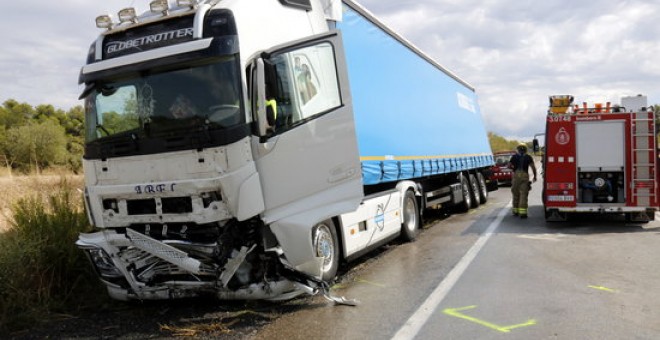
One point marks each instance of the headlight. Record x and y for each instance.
(103, 262)
(159, 6)
(127, 15)
(104, 21)
(187, 3)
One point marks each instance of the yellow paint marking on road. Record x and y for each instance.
(339, 286)
(603, 289)
(455, 312)
(370, 283)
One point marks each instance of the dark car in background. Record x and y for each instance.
(501, 172)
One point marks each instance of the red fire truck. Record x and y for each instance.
(600, 159)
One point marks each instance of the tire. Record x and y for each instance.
(552, 215)
(483, 189)
(474, 191)
(467, 197)
(326, 245)
(411, 218)
(651, 214)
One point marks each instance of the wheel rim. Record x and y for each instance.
(409, 215)
(324, 245)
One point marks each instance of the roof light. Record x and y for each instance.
(159, 6)
(188, 3)
(127, 15)
(104, 21)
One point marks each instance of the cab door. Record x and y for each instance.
(304, 139)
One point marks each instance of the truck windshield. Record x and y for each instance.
(160, 104)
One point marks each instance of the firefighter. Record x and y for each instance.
(520, 186)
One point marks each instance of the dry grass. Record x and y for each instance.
(17, 187)
(42, 272)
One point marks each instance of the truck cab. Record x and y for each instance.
(185, 176)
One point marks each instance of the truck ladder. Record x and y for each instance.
(643, 158)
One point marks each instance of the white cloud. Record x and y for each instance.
(44, 45)
(515, 52)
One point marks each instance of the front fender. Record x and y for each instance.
(294, 234)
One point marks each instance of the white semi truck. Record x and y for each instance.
(226, 153)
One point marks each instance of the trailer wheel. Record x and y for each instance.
(467, 197)
(483, 189)
(410, 224)
(326, 245)
(474, 191)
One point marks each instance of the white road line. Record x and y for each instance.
(414, 324)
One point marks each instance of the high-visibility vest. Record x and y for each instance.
(273, 104)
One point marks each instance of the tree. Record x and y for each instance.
(4, 156)
(38, 144)
(74, 122)
(14, 114)
(499, 143)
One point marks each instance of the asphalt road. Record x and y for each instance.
(490, 275)
(481, 275)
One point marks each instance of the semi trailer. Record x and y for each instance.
(244, 149)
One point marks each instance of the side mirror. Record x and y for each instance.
(535, 145)
(259, 97)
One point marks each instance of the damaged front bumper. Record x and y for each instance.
(133, 265)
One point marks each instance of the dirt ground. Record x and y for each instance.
(16, 187)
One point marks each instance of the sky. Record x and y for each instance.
(514, 52)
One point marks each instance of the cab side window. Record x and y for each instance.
(305, 84)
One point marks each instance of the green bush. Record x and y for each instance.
(42, 272)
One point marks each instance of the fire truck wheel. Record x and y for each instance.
(651, 214)
(326, 245)
(474, 191)
(410, 223)
(552, 215)
(483, 190)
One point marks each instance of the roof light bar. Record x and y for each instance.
(104, 21)
(159, 6)
(188, 3)
(127, 15)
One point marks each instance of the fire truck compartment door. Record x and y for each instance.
(600, 145)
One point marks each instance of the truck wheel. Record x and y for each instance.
(326, 245)
(410, 224)
(467, 197)
(651, 214)
(483, 189)
(474, 191)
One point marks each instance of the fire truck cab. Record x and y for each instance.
(600, 159)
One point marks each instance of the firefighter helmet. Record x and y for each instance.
(522, 147)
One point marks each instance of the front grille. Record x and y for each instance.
(177, 205)
(202, 233)
(170, 205)
(141, 207)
